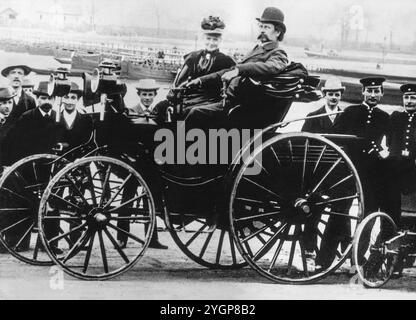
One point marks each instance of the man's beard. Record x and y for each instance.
(263, 37)
(410, 108)
(46, 107)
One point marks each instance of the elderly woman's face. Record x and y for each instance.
(212, 42)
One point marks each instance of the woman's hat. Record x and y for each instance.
(273, 15)
(212, 25)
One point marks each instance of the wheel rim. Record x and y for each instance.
(21, 188)
(213, 248)
(374, 258)
(95, 212)
(307, 189)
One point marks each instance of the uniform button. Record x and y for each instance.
(368, 122)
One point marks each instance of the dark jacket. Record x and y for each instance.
(78, 133)
(261, 63)
(402, 131)
(321, 124)
(25, 103)
(354, 120)
(32, 134)
(198, 64)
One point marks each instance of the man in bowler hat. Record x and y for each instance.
(266, 60)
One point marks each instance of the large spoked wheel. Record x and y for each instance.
(375, 252)
(211, 247)
(21, 188)
(96, 218)
(294, 208)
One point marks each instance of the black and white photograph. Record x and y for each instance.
(223, 150)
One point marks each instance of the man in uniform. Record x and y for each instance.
(16, 75)
(264, 61)
(401, 142)
(371, 123)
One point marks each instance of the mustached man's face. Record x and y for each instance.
(16, 77)
(373, 95)
(6, 107)
(267, 32)
(70, 101)
(409, 102)
(45, 103)
(333, 98)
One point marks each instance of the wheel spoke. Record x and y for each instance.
(14, 224)
(304, 166)
(91, 183)
(319, 159)
(127, 202)
(204, 247)
(269, 243)
(252, 235)
(77, 246)
(88, 255)
(132, 236)
(291, 254)
(188, 243)
(220, 242)
(116, 246)
(142, 219)
(15, 210)
(275, 155)
(326, 175)
(74, 186)
(57, 238)
(263, 188)
(249, 200)
(35, 174)
(339, 214)
(37, 245)
(278, 249)
(266, 214)
(289, 142)
(233, 256)
(338, 183)
(336, 200)
(105, 184)
(65, 201)
(18, 195)
(118, 191)
(302, 250)
(25, 235)
(67, 239)
(103, 253)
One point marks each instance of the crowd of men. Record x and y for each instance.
(28, 122)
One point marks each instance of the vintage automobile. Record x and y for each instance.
(110, 191)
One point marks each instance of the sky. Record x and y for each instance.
(321, 18)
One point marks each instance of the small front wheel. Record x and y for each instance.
(373, 255)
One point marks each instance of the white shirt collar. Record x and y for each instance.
(144, 108)
(69, 117)
(43, 112)
(329, 111)
(18, 95)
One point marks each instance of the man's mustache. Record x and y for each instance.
(46, 106)
(263, 36)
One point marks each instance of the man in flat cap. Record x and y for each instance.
(28, 86)
(264, 61)
(16, 75)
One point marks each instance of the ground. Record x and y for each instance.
(170, 275)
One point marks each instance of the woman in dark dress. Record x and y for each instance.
(203, 62)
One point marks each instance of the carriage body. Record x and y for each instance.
(221, 216)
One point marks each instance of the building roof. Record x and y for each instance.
(8, 11)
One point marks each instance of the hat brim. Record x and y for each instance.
(26, 70)
(40, 93)
(342, 89)
(217, 32)
(78, 92)
(147, 89)
(8, 98)
(275, 22)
